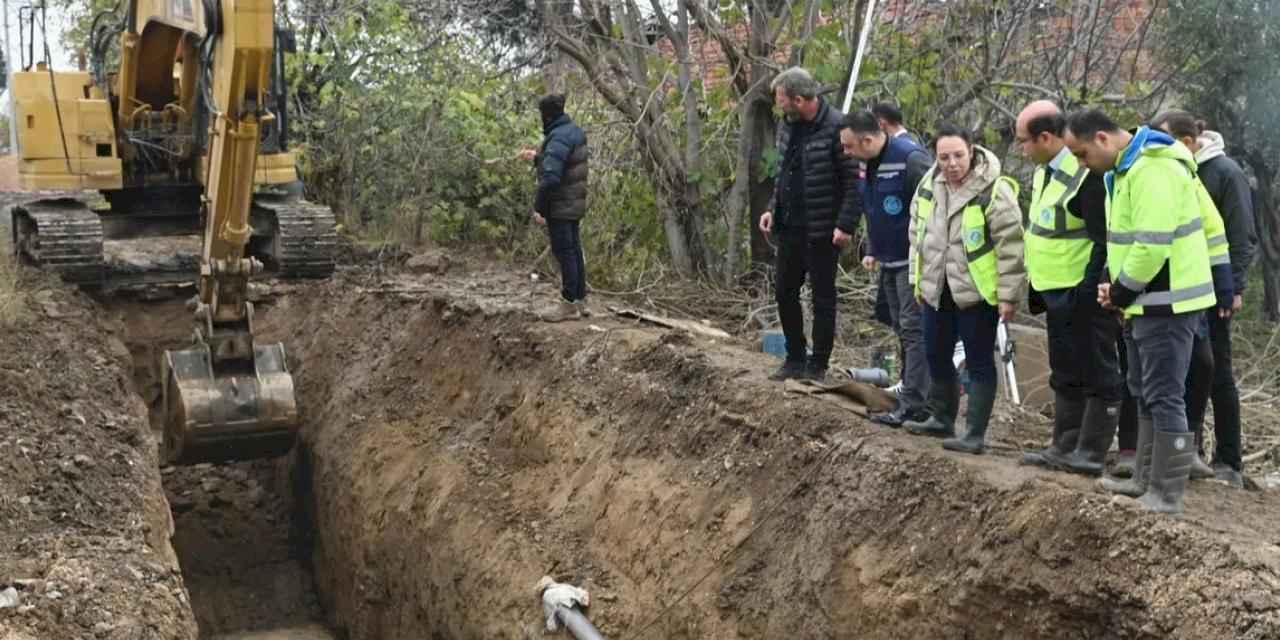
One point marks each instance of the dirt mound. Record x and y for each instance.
(85, 536)
(459, 451)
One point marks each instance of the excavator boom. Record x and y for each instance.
(226, 396)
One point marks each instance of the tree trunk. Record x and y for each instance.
(1268, 242)
(693, 210)
(761, 129)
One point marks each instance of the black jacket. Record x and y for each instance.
(1229, 188)
(562, 171)
(831, 197)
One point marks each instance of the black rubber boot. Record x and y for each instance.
(1137, 484)
(1068, 413)
(1170, 469)
(944, 405)
(982, 398)
(1200, 470)
(1096, 433)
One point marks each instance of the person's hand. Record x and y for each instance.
(841, 239)
(1104, 296)
(1007, 311)
(527, 154)
(537, 217)
(1225, 313)
(1237, 303)
(869, 263)
(766, 222)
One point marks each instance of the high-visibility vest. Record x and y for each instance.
(1057, 246)
(1215, 228)
(1166, 259)
(979, 247)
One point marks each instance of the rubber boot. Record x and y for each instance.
(1200, 470)
(1228, 474)
(944, 405)
(1068, 413)
(1096, 433)
(1136, 485)
(1123, 467)
(1170, 469)
(982, 398)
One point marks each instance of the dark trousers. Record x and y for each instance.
(895, 286)
(1212, 377)
(1159, 350)
(798, 258)
(1127, 435)
(1083, 361)
(566, 244)
(975, 327)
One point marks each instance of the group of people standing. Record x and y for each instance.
(1136, 245)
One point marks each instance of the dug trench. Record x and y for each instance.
(459, 450)
(454, 450)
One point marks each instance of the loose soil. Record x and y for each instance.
(84, 527)
(454, 450)
(460, 450)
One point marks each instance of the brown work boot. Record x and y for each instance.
(559, 311)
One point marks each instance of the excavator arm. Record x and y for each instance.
(227, 397)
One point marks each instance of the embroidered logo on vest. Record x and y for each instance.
(893, 205)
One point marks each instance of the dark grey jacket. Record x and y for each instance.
(831, 197)
(1227, 185)
(562, 171)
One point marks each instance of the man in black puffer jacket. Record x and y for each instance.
(815, 212)
(562, 202)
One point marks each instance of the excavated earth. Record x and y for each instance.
(454, 451)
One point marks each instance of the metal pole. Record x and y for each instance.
(577, 624)
(857, 59)
(8, 70)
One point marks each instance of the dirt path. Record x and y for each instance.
(461, 451)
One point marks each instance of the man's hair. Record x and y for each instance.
(1180, 123)
(551, 106)
(1087, 123)
(797, 83)
(888, 111)
(861, 123)
(1054, 124)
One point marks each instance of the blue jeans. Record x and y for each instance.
(975, 327)
(566, 244)
(1159, 351)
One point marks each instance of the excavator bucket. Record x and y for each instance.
(231, 415)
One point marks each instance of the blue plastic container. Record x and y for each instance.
(774, 342)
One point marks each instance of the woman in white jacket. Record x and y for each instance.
(966, 257)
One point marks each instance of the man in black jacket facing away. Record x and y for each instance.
(815, 211)
(562, 202)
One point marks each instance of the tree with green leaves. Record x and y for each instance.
(1231, 51)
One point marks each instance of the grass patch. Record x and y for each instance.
(13, 298)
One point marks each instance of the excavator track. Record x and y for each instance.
(62, 235)
(304, 238)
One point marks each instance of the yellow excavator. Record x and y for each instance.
(181, 125)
